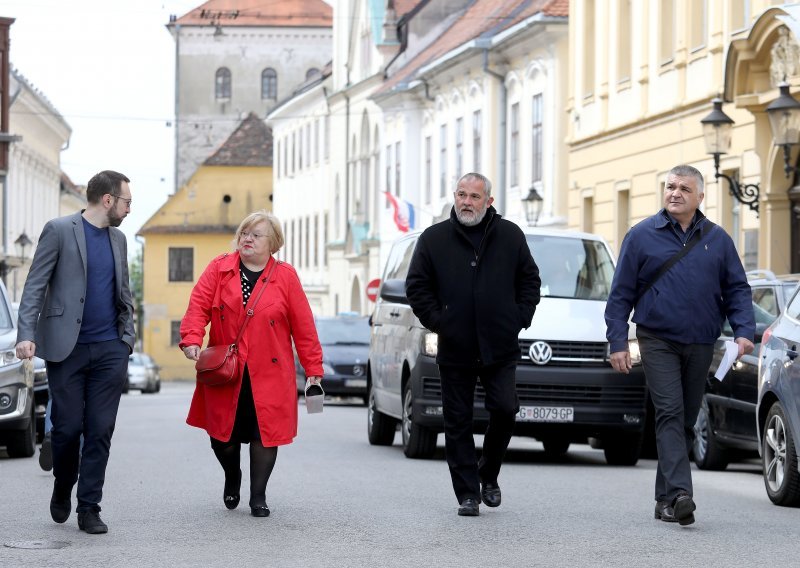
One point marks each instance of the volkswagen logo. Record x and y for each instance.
(540, 353)
(358, 370)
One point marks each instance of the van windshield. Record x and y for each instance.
(572, 268)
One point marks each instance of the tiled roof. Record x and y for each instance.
(283, 13)
(484, 18)
(68, 186)
(249, 145)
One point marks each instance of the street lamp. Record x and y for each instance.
(22, 242)
(784, 119)
(532, 205)
(717, 128)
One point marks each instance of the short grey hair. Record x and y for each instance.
(685, 170)
(487, 185)
(275, 236)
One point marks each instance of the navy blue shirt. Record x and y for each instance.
(99, 322)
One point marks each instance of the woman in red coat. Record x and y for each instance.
(260, 408)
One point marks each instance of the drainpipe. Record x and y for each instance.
(501, 183)
(177, 98)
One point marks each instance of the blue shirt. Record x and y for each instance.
(99, 321)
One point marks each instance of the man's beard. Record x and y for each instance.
(113, 219)
(471, 218)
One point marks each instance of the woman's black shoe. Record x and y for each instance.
(231, 496)
(259, 511)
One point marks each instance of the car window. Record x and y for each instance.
(765, 299)
(787, 290)
(572, 268)
(134, 359)
(343, 331)
(399, 260)
(793, 309)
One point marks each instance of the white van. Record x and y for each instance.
(567, 388)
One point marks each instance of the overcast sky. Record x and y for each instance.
(108, 67)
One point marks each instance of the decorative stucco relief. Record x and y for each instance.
(785, 57)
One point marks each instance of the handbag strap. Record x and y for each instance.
(251, 305)
(707, 228)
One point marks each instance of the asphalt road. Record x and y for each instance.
(336, 501)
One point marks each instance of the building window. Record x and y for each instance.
(269, 84)
(325, 241)
(222, 84)
(667, 19)
(308, 144)
(175, 332)
(326, 147)
(514, 146)
(442, 160)
(698, 20)
(428, 169)
(624, 35)
(316, 141)
(750, 249)
(307, 242)
(316, 241)
(740, 14)
(397, 155)
(388, 170)
(181, 264)
(588, 48)
(476, 141)
(276, 159)
(459, 147)
(536, 138)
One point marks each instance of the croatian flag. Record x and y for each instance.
(403, 213)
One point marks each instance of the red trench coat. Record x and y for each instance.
(282, 314)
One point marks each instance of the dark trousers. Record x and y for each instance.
(85, 389)
(676, 375)
(458, 399)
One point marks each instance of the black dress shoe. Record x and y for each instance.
(231, 493)
(468, 508)
(46, 453)
(684, 508)
(664, 512)
(259, 511)
(90, 522)
(490, 494)
(60, 504)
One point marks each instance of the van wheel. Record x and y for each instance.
(380, 428)
(706, 450)
(779, 459)
(624, 449)
(22, 443)
(418, 441)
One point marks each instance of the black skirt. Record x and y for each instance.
(245, 425)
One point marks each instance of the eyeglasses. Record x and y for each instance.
(127, 201)
(244, 235)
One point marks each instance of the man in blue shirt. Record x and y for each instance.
(76, 313)
(678, 314)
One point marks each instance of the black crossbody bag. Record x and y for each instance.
(709, 226)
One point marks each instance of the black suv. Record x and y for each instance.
(726, 425)
(567, 389)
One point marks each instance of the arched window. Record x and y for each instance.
(222, 84)
(269, 84)
(311, 73)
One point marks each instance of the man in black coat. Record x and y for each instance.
(473, 281)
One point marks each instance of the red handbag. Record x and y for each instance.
(219, 364)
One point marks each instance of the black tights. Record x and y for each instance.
(262, 461)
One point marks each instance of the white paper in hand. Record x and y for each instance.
(728, 359)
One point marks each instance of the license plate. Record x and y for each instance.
(545, 414)
(355, 383)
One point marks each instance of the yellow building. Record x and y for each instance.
(642, 77)
(195, 225)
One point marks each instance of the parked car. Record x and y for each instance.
(143, 374)
(567, 389)
(345, 350)
(41, 389)
(778, 409)
(17, 404)
(725, 430)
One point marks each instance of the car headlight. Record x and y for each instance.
(8, 357)
(636, 355)
(327, 369)
(430, 344)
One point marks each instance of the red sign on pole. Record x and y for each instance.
(372, 289)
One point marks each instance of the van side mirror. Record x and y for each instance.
(394, 291)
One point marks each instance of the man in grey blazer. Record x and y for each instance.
(76, 313)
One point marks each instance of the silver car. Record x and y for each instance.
(143, 374)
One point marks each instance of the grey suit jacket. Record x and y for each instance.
(51, 307)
